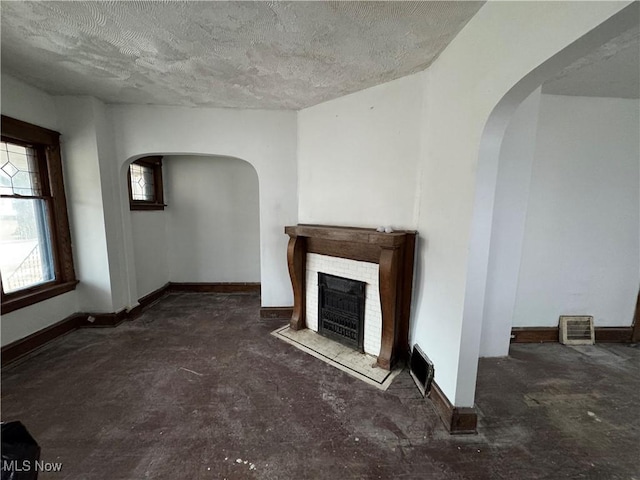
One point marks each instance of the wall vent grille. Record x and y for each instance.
(576, 330)
(421, 369)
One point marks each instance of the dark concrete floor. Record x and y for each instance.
(196, 388)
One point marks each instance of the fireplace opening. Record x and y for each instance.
(341, 310)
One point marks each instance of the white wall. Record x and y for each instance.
(265, 139)
(580, 254)
(213, 219)
(358, 156)
(113, 204)
(31, 105)
(83, 182)
(28, 103)
(506, 51)
(507, 233)
(149, 235)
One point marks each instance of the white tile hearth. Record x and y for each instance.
(359, 365)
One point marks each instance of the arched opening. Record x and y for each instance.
(488, 300)
(565, 227)
(209, 231)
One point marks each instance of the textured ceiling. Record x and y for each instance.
(613, 70)
(275, 55)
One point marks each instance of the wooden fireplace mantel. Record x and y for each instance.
(393, 252)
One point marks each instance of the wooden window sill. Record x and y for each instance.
(146, 206)
(17, 300)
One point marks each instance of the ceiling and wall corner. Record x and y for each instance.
(266, 55)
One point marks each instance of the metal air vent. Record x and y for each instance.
(576, 330)
(421, 369)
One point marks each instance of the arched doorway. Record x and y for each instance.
(209, 229)
(487, 173)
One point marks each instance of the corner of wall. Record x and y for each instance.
(83, 183)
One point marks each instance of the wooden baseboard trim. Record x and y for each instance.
(19, 348)
(635, 329)
(100, 320)
(613, 334)
(550, 334)
(534, 334)
(457, 420)
(276, 312)
(218, 287)
(148, 299)
(154, 296)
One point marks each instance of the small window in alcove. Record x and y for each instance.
(145, 184)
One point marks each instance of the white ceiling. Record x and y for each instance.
(274, 55)
(613, 70)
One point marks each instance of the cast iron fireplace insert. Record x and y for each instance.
(341, 310)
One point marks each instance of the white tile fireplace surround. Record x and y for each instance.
(353, 270)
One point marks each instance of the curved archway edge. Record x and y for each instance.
(487, 170)
(471, 91)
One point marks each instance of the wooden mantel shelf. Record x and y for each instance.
(393, 252)
(349, 234)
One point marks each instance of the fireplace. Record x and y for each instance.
(341, 304)
(383, 261)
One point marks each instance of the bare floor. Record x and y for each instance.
(197, 388)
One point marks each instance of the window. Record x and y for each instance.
(36, 262)
(145, 184)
